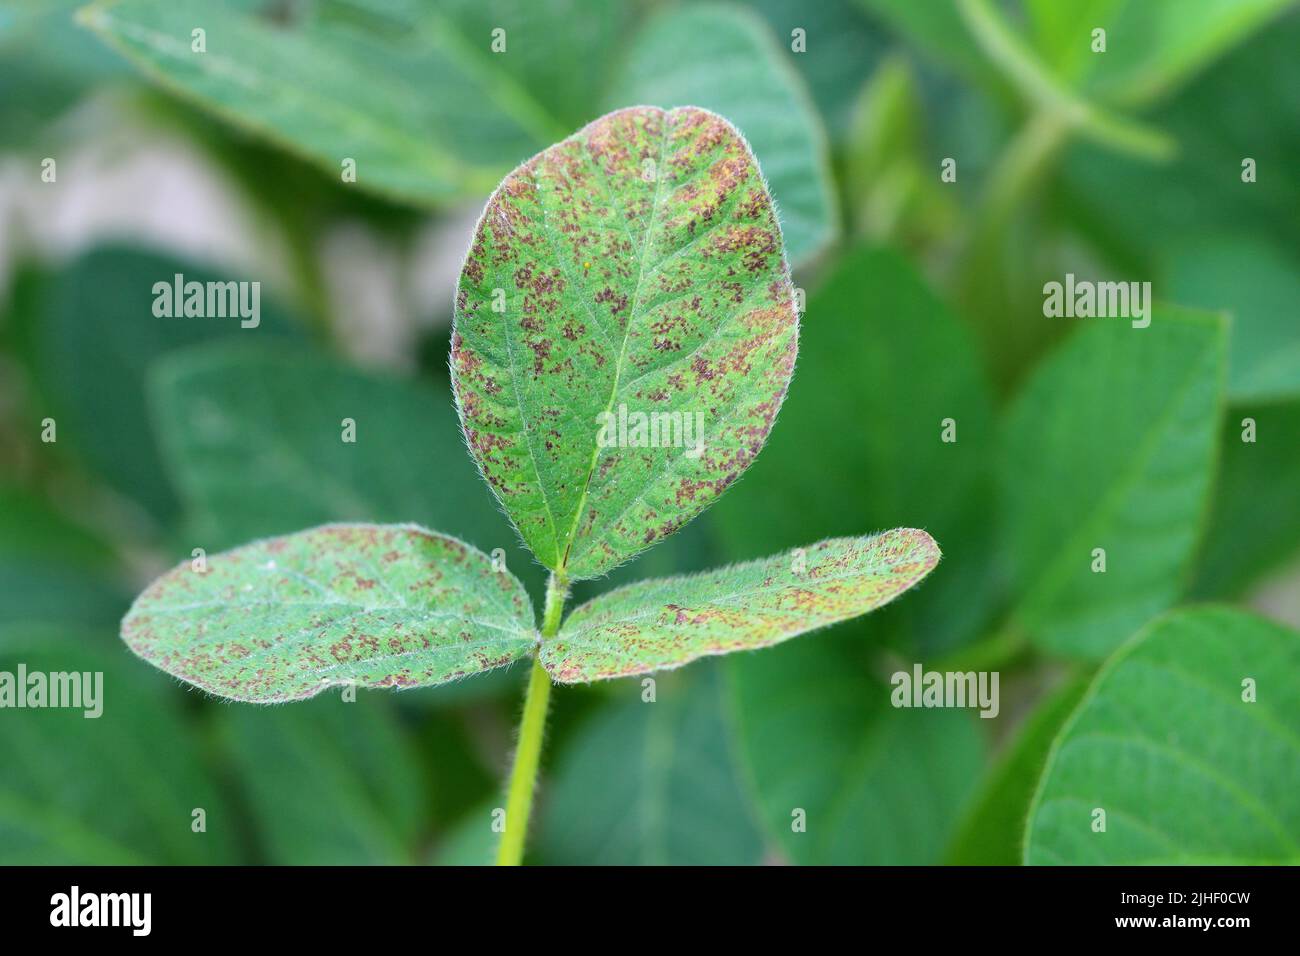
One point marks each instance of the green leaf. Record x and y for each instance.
(52, 569)
(877, 785)
(882, 365)
(652, 783)
(889, 181)
(369, 605)
(724, 58)
(47, 64)
(254, 438)
(841, 49)
(635, 268)
(414, 94)
(1254, 502)
(992, 833)
(1186, 768)
(938, 30)
(1139, 211)
(665, 623)
(471, 841)
(328, 783)
(1259, 285)
(95, 335)
(1151, 45)
(120, 788)
(1111, 445)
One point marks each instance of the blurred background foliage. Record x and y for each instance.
(924, 302)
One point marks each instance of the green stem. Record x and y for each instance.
(528, 753)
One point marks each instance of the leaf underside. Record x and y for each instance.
(640, 270)
(372, 605)
(665, 623)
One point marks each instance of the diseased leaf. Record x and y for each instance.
(636, 268)
(1190, 764)
(665, 623)
(868, 783)
(652, 783)
(373, 605)
(724, 58)
(1111, 446)
(413, 93)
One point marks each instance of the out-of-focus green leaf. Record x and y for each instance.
(635, 269)
(413, 93)
(353, 604)
(861, 444)
(652, 783)
(255, 441)
(119, 788)
(30, 526)
(876, 785)
(938, 30)
(1151, 45)
(95, 335)
(1190, 762)
(724, 59)
(1111, 445)
(329, 781)
(1137, 211)
(1260, 287)
(893, 189)
(1254, 523)
(841, 47)
(52, 569)
(472, 841)
(46, 65)
(992, 833)
(661, 624)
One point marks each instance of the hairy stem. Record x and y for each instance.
(523, 776)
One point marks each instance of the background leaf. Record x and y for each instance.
(95, 336)
(1186, 771)
(253, 437)
(669, 622)
(622, 295)
(373, 605)
(842, 47)
(993, 831)
(724, 59)
(652, 784)
(883, 364)
(52, 569)
(1259, 285)
(328, 782)
(1111, 444)
(330, 83)
(1151, 45)
(879, 786)
(1254, 502)
(115, 789)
